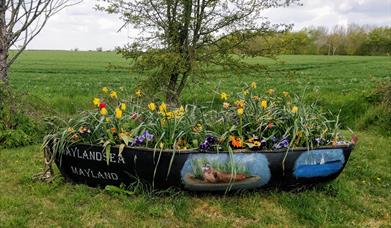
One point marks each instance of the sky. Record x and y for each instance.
(84, 28)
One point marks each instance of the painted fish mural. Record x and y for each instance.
(218, 172)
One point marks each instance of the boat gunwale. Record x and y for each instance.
(349, 146)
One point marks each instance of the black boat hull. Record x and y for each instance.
(202, 171)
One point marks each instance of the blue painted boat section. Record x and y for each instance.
(319, 163)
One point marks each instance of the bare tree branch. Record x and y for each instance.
(20, 22)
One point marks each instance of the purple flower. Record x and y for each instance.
(318, 141)
(282, 144)
(210, 139)
(204, 146)
(140, 139)
(274, 139)
(148, 136)
(263, 143)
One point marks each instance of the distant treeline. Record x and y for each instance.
(350, 40)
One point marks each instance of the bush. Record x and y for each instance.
(378, 117)
(16, 127)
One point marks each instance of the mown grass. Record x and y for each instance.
(64, 83)
(359, 197)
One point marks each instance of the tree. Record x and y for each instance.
(20, 22)
(378, 42)
(179, 38)
(355, 38)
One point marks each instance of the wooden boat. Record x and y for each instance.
(87, 164)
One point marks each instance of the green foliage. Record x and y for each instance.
(16, 128)
(352, 40)
(179, 40)
(378, 116)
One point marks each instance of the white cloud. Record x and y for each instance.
(85, 28)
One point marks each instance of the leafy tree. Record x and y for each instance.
(355, 38)
(378, 42)
(20, 22)
(180, 38)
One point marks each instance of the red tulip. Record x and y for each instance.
(102, 105)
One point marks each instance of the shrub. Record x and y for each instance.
(378, 116)
(16, 127)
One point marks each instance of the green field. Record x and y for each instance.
(63, 83)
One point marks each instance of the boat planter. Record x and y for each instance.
(203, 171)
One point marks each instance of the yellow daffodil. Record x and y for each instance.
(163, 107)
(123, 106)
(118, 113)
(113, 94)
(170, 115)
(179, 112)
(285, 93)
(96, 101)
(245, 92)
(105, 90)
(270, 91)
(264, 104)
(223, 96)
(226, 105)
(240, 103)
(137, 93)
(103, 112)
(197, 128)
(152, 106)
(108, 120)
(240, 111)
(254, 85)
(295, 109)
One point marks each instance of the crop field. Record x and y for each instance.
(62, 83)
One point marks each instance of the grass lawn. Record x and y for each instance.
(65, 82)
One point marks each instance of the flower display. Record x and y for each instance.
(253, 85)
(240, 111)
(103, 112)
(152, 106)
(113, 94)
(137, 93)
(118, 113)
(102, 105)
(236, 142)
(123, 106)
(105, 90)
(96, 102)
(256, 122)
(223, 96)
(163, 107)
(264, 104)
